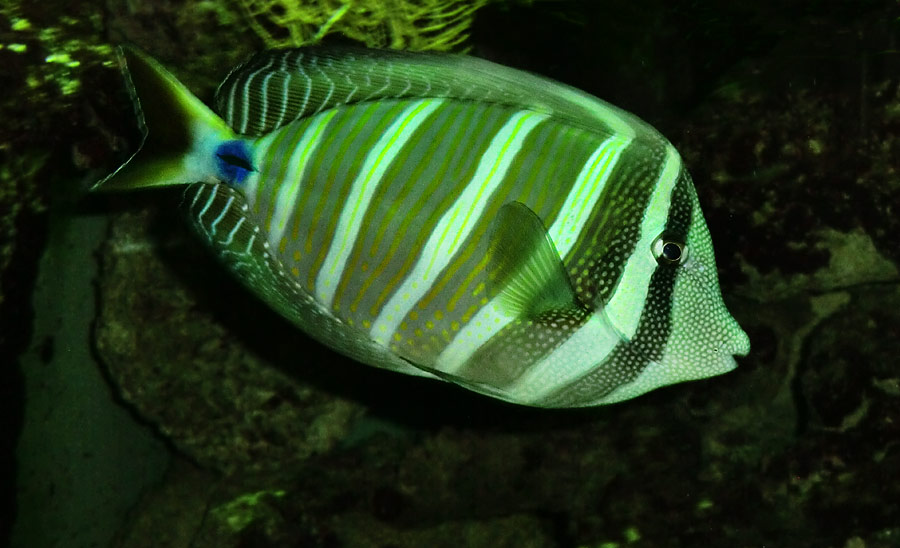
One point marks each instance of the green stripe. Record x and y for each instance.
(459, 293)
(427, 176)
(430, 207)
(346, 162)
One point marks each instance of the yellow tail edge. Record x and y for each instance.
(174, 123)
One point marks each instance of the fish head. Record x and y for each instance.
(704, 336)
(685, 330)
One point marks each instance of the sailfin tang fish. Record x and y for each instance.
(444, 216)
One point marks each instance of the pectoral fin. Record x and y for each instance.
(526, 273)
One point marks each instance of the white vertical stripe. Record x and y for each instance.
(583, 196)
(285, 88)
(209, 201)
(197, 192)
(250, 241)
(285, 201)
(264, 97)
(234, 230)
(248, 83)
(627, 301)
(579, 203)
(456, 224)
(229, 110)
(217, 220)
(354, 88)
(199, 215)
(324, 100)
(363, 188)
(580, 353)
(307, 87)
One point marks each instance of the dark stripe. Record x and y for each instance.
(502, 360)
(457, 294)
(614, 228)
(629, 358)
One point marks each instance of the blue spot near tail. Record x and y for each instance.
(233, 162)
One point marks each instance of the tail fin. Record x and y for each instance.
(174, 123)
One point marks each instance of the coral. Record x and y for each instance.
(399, 24)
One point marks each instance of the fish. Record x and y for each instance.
(444, 216)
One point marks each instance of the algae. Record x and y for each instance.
(439, 25)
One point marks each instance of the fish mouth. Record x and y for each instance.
(723, 359)
(722, 355)
(739, 345)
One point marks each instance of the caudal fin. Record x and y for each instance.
(175, 126)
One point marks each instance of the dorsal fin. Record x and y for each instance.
(275, 87)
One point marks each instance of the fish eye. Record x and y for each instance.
(669, 250)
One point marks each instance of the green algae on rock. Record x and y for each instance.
(178, 367)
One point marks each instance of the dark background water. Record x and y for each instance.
(141, 408)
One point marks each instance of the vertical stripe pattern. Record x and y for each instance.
(377, 181)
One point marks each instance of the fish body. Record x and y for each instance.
(444, 216)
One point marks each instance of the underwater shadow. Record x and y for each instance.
(414, 403)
